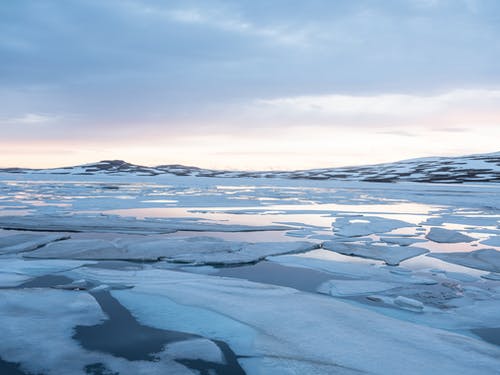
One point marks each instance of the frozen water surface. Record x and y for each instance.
(126, 274)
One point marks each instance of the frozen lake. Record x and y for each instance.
(183, 275)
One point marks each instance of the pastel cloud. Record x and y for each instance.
(215, 77)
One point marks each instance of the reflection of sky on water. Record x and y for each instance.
(311, 211)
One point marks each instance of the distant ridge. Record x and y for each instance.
(471, 168)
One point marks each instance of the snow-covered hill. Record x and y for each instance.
(477, 168)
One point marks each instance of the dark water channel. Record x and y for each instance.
(121, 335)
(300, 278)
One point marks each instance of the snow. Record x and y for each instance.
(443, 235)
(391, 255)
(482, 167)
(485, 259)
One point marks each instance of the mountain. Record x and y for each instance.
(471, 168)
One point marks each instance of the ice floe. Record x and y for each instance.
(117, 224)
(39, 267)
(399, 302)
(408, 303)
(443, 235)
(401, 241)
(200, 250)
(492, 241)
(9, 279)
(366, 225)
(18, 243)
(203, 349)
(354, 270)
(492, 276)
(391, 255)
(340, 288)
(484, 259)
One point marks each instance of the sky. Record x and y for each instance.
(247, 84)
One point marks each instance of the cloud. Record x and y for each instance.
(113, 71)
(32, 119)
(385, 104)
(232, 23)
(399, 133)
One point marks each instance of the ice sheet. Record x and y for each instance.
(200, 250)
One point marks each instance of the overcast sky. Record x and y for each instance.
(247, 84)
